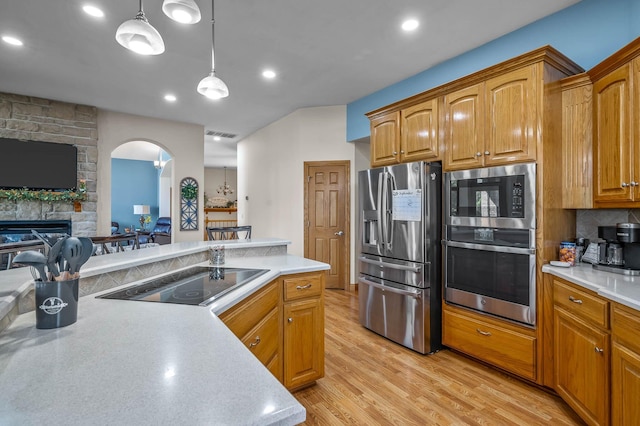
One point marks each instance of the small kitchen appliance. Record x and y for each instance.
(620, 251)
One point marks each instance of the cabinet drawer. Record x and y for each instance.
(247, 314)
(580, 303)
(625, 325)
(299, 287)
(503, 348)
(264, 338)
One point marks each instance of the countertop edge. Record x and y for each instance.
(614, 287)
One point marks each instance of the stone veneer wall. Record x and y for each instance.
(36, 119)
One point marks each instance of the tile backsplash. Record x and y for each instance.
(587, 221)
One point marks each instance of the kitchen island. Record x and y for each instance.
(131, 362)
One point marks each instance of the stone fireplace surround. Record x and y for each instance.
(37, 119)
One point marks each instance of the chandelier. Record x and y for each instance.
(225, 189)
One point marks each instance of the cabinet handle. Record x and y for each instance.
(484, 333)
(303, 287)
(402, 151)
(254, 343)
(478, 154)
(599, 350)
(624, 184)
(574, 300)
(633, 183)
(289, 320)
(487, 153)
(395, 152)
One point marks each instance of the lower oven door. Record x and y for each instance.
(395, 311)
(493, 279)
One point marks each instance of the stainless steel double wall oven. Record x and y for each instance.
(489, 241)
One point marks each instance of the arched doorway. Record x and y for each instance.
(140, 184)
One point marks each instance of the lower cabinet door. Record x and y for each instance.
(303, 342)
(263, 342)
(625, 386)
(581, 364)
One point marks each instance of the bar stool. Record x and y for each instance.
(229, 233)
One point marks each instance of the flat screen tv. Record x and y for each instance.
(37, 165)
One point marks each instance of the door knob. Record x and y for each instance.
(339, 233)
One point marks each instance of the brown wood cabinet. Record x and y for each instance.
(407, 135)
(385, 139)
(505, 345)
(616, 128)
(577, 147)
(582, 351)
(613, 139)
(464, 128)
(256, 321)
(494, 122)
(625, 366)
(419, 132)
(282, 324)
(303, 329)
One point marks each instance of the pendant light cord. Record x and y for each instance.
(213, 37)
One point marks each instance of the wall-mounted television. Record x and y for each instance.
(37, 165)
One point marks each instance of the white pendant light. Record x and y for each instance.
(139, 36)
(211, 86)
(183, 11)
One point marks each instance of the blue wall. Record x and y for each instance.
(133, 182)
(587, 32)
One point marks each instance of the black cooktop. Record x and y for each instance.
(198, 285)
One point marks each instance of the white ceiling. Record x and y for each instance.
(328, 52)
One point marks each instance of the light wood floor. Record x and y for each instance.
(370, 380)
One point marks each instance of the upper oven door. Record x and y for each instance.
(500, 197)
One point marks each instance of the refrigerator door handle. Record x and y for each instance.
(390, 265)
(379, 213)
(415, 294)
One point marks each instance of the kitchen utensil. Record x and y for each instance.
(41, 237)
(35, 259)
(52, 258)
(72, 251)
(87, 251)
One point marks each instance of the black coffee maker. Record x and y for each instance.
(620, 252)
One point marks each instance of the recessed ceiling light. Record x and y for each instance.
(217, 138)
(410, 25)
(269, 74)
(93, 11)
(12, 40)
(170, 98)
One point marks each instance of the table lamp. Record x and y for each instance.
(142, 210)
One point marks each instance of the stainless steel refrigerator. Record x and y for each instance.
(399, 284)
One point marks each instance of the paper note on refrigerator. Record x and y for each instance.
(406, 204)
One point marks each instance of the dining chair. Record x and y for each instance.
(229, 233)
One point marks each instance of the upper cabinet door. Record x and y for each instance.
(385, 139)
(464, 128)
(612, 153)
(512, 100)
(419, 132)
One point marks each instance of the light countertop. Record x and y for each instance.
(616, 287)
(131, 362)
(17, 281)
